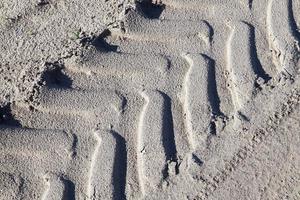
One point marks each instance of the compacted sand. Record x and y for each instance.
(171, 99)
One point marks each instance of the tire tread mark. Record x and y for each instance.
(246, 151)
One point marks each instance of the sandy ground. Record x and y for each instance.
(171, 99)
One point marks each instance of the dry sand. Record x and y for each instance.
(179, 99)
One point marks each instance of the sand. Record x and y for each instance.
(171, 99)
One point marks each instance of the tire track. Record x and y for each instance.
(102, 90)
(245, 152)
(157, 145)
(284, 36)
(243, 68)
